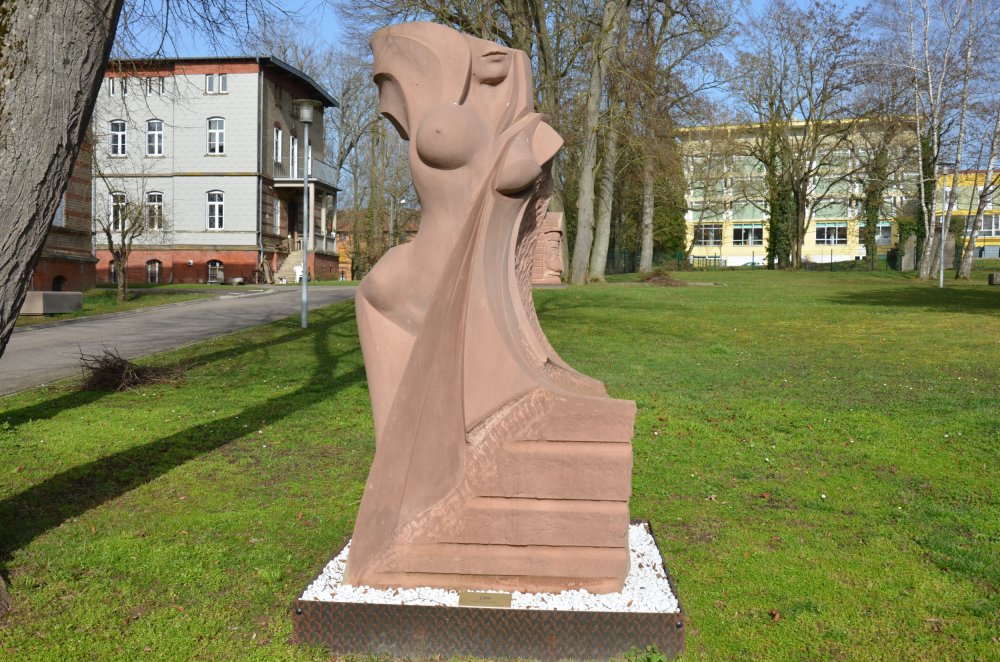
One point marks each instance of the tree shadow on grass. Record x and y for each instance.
(980, 301)
(74, 397)
(44, 506)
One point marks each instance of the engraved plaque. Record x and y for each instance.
(482, 599)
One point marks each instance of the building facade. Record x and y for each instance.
(67, 262)
(727, 216)
(201, 160)
(970, 185)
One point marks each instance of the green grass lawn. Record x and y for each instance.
(100, 301)
(817, 453)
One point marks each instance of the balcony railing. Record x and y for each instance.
(321, 172)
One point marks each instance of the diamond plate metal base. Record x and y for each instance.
(416, 631)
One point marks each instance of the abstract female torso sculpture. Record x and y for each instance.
(496, 465)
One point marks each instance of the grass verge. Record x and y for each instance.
(817, 453)
(100, 301)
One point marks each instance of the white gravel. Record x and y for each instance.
(646, 588)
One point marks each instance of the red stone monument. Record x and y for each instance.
(497, 466)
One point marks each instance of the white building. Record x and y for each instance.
(206, 154)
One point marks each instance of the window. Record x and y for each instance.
(990, 226)
(153, 269)
(215, 203)
(294, 156)
(59, 220)
(154, 210)
(124, 83)
(117, 210)
(216, 135)
(216, 84)
(154, 138)
(154, 85)
(708, 234)
(831, 233)
(117, 134)
(112, 86)
(162, 84)
(748, 235)
(276, 217)
(277, 144)
(215, 273)
(883, 233)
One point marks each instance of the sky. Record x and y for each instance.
(318, 16)
(322, 25)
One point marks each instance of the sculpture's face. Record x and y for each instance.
(490, 62)
(553, 253)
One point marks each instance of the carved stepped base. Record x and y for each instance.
(532, 513)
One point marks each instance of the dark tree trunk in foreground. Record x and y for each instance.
(52, 59)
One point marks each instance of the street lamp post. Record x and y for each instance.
(305, 108)
(944, 207)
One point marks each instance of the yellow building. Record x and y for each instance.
(970, 185)
(727, 217)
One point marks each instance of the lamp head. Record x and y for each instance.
(306, 109)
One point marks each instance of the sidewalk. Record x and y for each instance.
(37, 355)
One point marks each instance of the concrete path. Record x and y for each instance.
(37, 355)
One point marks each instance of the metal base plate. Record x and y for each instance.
(416, 631)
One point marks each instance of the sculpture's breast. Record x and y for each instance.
(450, 136)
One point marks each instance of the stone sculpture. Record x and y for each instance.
(497, 466)
(547, 263)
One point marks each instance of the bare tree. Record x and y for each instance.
(714, 176)
(795, 85)
(982, 195)
(611, 18)
(344, 74)
(942, 50)
(128, 212)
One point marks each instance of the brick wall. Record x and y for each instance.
(67, 260)
(175, 268)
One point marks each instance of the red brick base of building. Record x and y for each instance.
(192, 266)
(324, 267)
(69, 274)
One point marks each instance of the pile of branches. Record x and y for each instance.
(110, 371)
(661, 276)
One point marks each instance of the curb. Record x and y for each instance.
(88, 318)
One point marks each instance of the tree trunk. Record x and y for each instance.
(986, 193)
(602, 227)
(648, 202)
(930, 255)
(588, 156)
(51, 61)
(121, 278)
(928, 252)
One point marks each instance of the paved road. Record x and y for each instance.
(38, 355)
